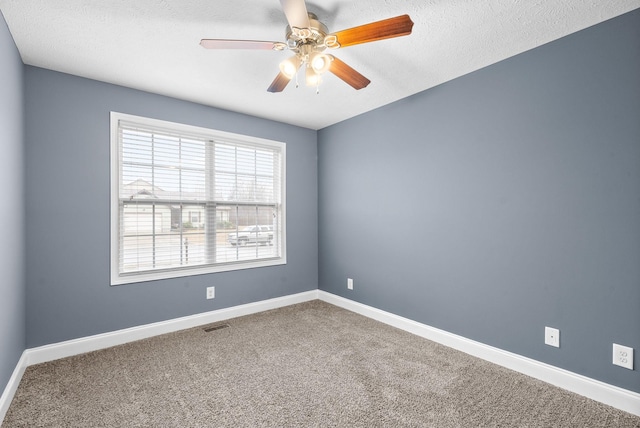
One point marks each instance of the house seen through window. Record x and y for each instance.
(188, 200)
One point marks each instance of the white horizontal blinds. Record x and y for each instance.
(248, 181)
(247, 174)
(181, 195)
(162, 194)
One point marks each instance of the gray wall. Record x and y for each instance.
(12, 300)
(500, 203)
(67, 213)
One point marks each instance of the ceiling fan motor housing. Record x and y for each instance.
(307, 40)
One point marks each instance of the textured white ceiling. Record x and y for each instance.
(153, 45)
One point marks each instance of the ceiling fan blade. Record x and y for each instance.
(279, 83)
(348, 74)
(241, 44)
(296, 13)
(379, 30)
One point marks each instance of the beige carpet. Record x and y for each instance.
(307, 365)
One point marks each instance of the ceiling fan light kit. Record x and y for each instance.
(308, 38)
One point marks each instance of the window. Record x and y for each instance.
(188, 200)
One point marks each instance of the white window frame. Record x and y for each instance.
(118, 278)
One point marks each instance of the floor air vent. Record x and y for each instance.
(216, 327)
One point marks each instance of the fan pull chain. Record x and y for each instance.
(297, 80)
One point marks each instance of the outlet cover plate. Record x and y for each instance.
(552, 336)
(623, 356)
(211, 292)
(349, 283)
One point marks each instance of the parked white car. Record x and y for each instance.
(253, 235)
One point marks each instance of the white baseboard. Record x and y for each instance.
(69, 348)
(614, 396)
(12, 386)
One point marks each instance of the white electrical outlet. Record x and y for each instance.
(350, 283)
(211, 292)
(552, 336)
(623, 356)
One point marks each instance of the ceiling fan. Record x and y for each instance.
(308, 38)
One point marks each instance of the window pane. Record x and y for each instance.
(246, 233)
